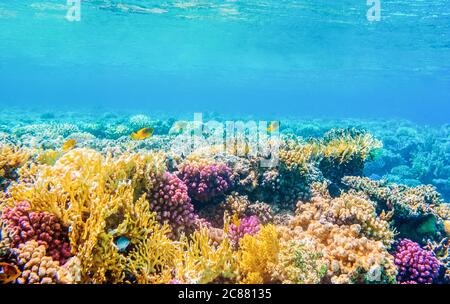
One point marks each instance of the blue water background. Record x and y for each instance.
(264, 57)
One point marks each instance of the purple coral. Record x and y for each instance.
(205, 181)
(45, 228)
(415, 265)
(172, 204)
(248, 225)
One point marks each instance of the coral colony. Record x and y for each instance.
(81, 201)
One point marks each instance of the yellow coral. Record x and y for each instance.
(11, 158)
(202, 262)
(258, 254)
(344, 147)
(98, 198)
(299, 156)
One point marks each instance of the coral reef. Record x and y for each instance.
(349, 201)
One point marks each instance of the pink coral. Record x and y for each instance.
(43, 227)
(205, 181)
(172, 204)
(415, 265)
(247, 225)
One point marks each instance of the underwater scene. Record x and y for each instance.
(224, 142)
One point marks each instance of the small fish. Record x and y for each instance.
(142, 134)
(8, 273)
(122, 243)
(69, 145)
(273, 126)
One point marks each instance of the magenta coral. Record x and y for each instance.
(248, 225)
(205, 181)
(415, 265)
(172, 204)
(43, 227)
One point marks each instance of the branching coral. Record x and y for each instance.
(37, 268)
(11, 158)
(205, 179)
(415, 264)
(419, 212)
(98, 198)
(24, 225)
(345, 151)
(350, 236)
(170, 200)
(248, 225)
(298, 263)
(258, 255)
(202, 262)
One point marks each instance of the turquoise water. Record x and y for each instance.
(317, 58)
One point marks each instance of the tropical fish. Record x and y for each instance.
(8, 273)
(122, 243)
(273, 126)
(68, 145)
(142, 134)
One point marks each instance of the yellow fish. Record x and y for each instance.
(273, 126)
(142, 134)
(68, 145)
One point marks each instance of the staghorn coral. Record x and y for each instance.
(416, 265)
(345, 151)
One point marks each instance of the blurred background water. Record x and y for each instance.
(262, 57)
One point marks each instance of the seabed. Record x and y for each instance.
(347, 200)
